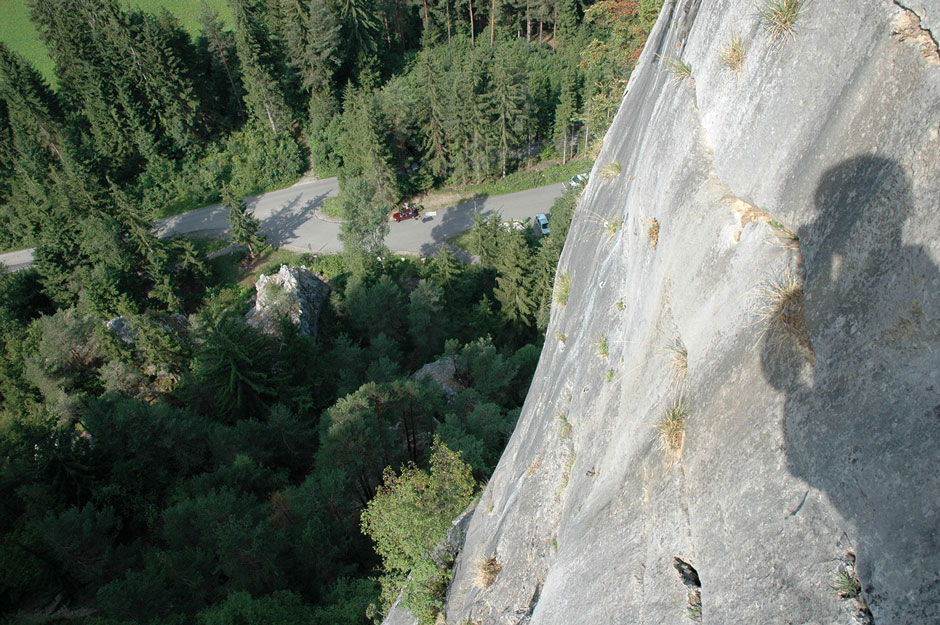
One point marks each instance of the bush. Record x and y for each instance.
(408, 518)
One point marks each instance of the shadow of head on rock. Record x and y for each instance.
(861, 419)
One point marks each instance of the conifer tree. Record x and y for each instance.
(565, 114)
(508, 101)
(218, 40)
(432, 113)
(363, 146)
(514, 280)
(365, 222)
(264, 95)
(245, 227)
(445, 269)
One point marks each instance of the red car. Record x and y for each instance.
(408, 211)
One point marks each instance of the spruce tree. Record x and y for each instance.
(431, 113)
(363, 145)
(514, 280)
(508, 102)
(221, 44)
(264, 95)
(245, 227)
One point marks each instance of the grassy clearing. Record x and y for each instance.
(461, 240)
(21, 36)
(230, 270)
(531, 178)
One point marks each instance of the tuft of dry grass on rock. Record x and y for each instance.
(781, 17)
(678, 67)
(785, 237)
(781, 307)
(653, 232)
(563, 288)
(678, 361)
(671, 428)
(611, 170)
(734, 52)
(487, 570)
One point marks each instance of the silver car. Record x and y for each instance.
(541, 221)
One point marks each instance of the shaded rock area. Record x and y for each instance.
(294, 293)
(444, 373)
(775, 397)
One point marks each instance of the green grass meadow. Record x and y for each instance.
(21, 36)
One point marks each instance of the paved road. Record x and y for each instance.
(290, 219)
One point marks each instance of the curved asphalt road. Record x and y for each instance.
(290, 219)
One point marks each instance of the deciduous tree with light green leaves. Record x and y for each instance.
(408, 519)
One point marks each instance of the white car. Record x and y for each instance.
(541, 221)
(577, 181)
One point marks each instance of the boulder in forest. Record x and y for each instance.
(293, 292)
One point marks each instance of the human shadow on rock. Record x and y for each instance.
(862, 406)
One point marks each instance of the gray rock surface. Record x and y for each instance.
(443, 371)
(292, 292)
(813, 431)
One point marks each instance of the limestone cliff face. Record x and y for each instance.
(813, 428)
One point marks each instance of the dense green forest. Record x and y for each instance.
(179, 466)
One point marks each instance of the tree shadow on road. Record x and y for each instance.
(281, 227)
(456, 220)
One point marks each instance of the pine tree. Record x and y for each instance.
(219, 42)
(431, 113)
(425, 319)
(365, 222)
(245, 227)
(565, 113)
(514, 280)
(445, 270)
(264, 94)
(508, 101)
(363, 146)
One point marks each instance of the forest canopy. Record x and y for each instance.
(161, 460)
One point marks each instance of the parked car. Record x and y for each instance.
(407, 211)
(577, 181)
(541, 222)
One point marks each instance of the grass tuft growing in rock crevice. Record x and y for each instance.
(733, 53)
(780, 307)
(563, 288)
(679, 68)
(671, 428)
(781, 17)
(487, 571)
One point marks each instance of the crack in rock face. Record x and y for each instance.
(907, 27)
